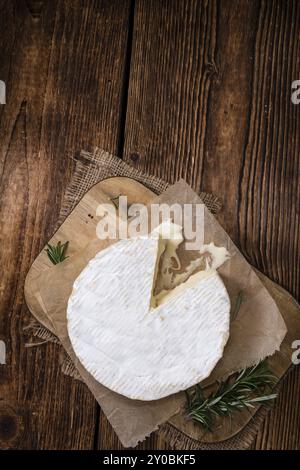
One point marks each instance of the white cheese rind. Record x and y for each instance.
(139, 352)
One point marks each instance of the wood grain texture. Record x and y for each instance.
(268, 210)
(63, 64)
(209, 84)
(172, 68)
(210, 100)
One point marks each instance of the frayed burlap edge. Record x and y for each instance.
(35, 330)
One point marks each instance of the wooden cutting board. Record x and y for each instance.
(80, 228)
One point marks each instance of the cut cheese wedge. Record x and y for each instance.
(141, 352)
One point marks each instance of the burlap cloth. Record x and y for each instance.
(90, 168)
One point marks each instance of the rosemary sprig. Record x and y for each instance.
(115, 201)
(244, 391)
(57, 253)
(237, 306)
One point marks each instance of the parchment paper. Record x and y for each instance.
(255, 333)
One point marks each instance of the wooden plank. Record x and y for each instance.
(209, 100)
(269, 185)
(170, 78)
(63, 64)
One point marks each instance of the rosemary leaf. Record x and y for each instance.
(57, 253)
(115, 201)
(235, 393)
(237, 305)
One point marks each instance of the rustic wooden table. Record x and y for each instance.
(193, 89)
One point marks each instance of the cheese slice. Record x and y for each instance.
(136, 350)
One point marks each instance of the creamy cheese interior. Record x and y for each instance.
(171, 282)
(170, 237)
